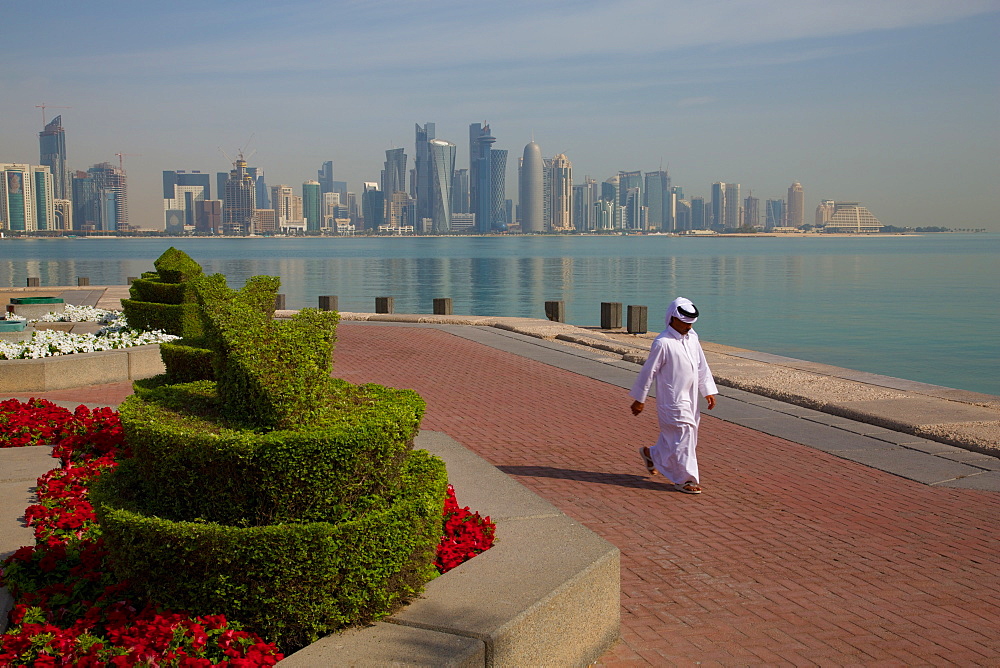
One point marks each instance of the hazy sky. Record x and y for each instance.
(894, 103)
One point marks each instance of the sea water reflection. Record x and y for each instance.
(865, 303)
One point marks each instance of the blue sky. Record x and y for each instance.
(894, 103)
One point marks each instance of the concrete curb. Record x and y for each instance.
(547, 594)
(80, 369)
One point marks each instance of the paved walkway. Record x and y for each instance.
(792, 556)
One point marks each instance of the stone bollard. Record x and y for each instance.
(555, 311)
(637, 319)
(329, 303)
(385, 304)
(34, 282)
(82, 281)
(442, 306)
(611, 315)
(279, 302)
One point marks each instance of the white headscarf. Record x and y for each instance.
(680, 308)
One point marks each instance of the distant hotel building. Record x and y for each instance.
(852, 217)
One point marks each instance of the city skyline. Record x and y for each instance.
(891, 104)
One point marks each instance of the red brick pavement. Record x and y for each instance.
(791, 556)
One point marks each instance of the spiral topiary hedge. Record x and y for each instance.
(287, 500)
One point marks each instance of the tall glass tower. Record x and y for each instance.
(423, 171)
(312, 198)
(481, 171)
(442, 167)
(52, 152)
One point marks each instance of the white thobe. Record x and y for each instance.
(677, 363)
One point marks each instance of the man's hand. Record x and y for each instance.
(637, 407)
(711, 401)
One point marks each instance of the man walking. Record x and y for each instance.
(677, 363)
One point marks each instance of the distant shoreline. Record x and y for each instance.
(735, 235)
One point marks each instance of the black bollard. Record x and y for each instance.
(637, 319)
(34, 282)
(611, 315)
(442, 306)
(328, 303)
(82, 280)
(555, 311)
(279, 302)
(385, 304)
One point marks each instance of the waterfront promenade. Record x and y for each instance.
(796, 554)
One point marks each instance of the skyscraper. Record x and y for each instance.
(263, 200)
(530, 195)
(774, 213)
(26, 201)
(372, 206)
(441, 159)
(183, 193)
(561, 193)
(239, 200)
(481, 186)
(52, 152)
(627, 180)
(657, 199)
(498, 196)
(796, 205)
(312, 205)
(698, 221)
(283, 203)
(112, 195)
(394, 172)
(460, 191)
(583, 205)
(423, 171)
(751, 211)
(325, 177)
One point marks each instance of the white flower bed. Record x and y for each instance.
(111, 337)
(82, 314)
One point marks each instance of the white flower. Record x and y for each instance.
(49, 343)
(82, 314)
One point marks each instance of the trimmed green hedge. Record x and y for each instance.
(271, 375)
(289, 501)
(166, 299)
(176, 266)
(178, 319)
(189, 464)
(147, 290)
(187, 360)
(291, 583)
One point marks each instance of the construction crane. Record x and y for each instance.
(44, 106)
(121, 160)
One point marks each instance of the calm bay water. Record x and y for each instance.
(923, 307)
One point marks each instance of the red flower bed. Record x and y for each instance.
(69, 609)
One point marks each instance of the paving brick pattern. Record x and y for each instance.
(790, 557)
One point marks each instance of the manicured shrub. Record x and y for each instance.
(187, 360)
(290, 501)
(165, 300)
(176, 266)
